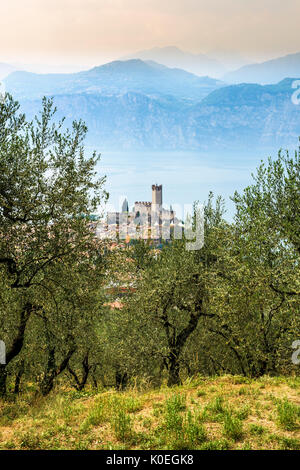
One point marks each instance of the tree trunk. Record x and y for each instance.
(177, 342)
(80, 383)
(18, 378)
(95, 383)
(121, 380)
(3, 377)
(174, 369)
(46, 384)
(52, 372)
(16, 346)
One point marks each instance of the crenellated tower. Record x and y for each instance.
(157, 195)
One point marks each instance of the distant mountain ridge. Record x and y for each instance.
(172, 56)
(147, 106)
(115, 78)
(271, 71)
(248, 116)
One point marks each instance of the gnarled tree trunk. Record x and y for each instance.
(16, 345)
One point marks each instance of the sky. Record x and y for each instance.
(91, 32)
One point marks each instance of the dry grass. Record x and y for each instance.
(204, 413)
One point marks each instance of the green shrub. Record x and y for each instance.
(287, 443)
(183, 432)
(122, 425)
(193, 430)
(95, 417)
(173, 421)
(214, 409)
(232, 427)
(243, 412)
(256, 429)
(287, 415)
(176, 403)
(132, 404)
(218, 405)
(30, 440)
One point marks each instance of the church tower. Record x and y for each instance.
(157, 195)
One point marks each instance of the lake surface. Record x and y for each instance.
(185, 176)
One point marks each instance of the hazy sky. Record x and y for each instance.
(89, 32)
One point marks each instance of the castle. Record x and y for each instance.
(145, 215)
(149, 210)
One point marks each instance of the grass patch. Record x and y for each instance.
(256, 430)
(288, 415)
(232, 427)
(122, 425)
(207, 413)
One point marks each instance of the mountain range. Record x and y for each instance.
(228, 66)
(137, 105)
(271, 71)
(214, 64)
(115, 78)
(199, 64)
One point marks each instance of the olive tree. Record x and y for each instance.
(48, 190)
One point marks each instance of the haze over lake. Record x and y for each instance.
(185, 176)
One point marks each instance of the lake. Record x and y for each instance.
(185, 176)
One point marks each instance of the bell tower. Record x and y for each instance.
(157, 195)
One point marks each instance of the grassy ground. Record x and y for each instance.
(205, 413)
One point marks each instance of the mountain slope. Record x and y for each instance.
(248, 116)
(129, 121)
(239, 116)
(199, 64)
(271, 71)
(115, 78)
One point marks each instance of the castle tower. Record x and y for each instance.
(157, 195)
